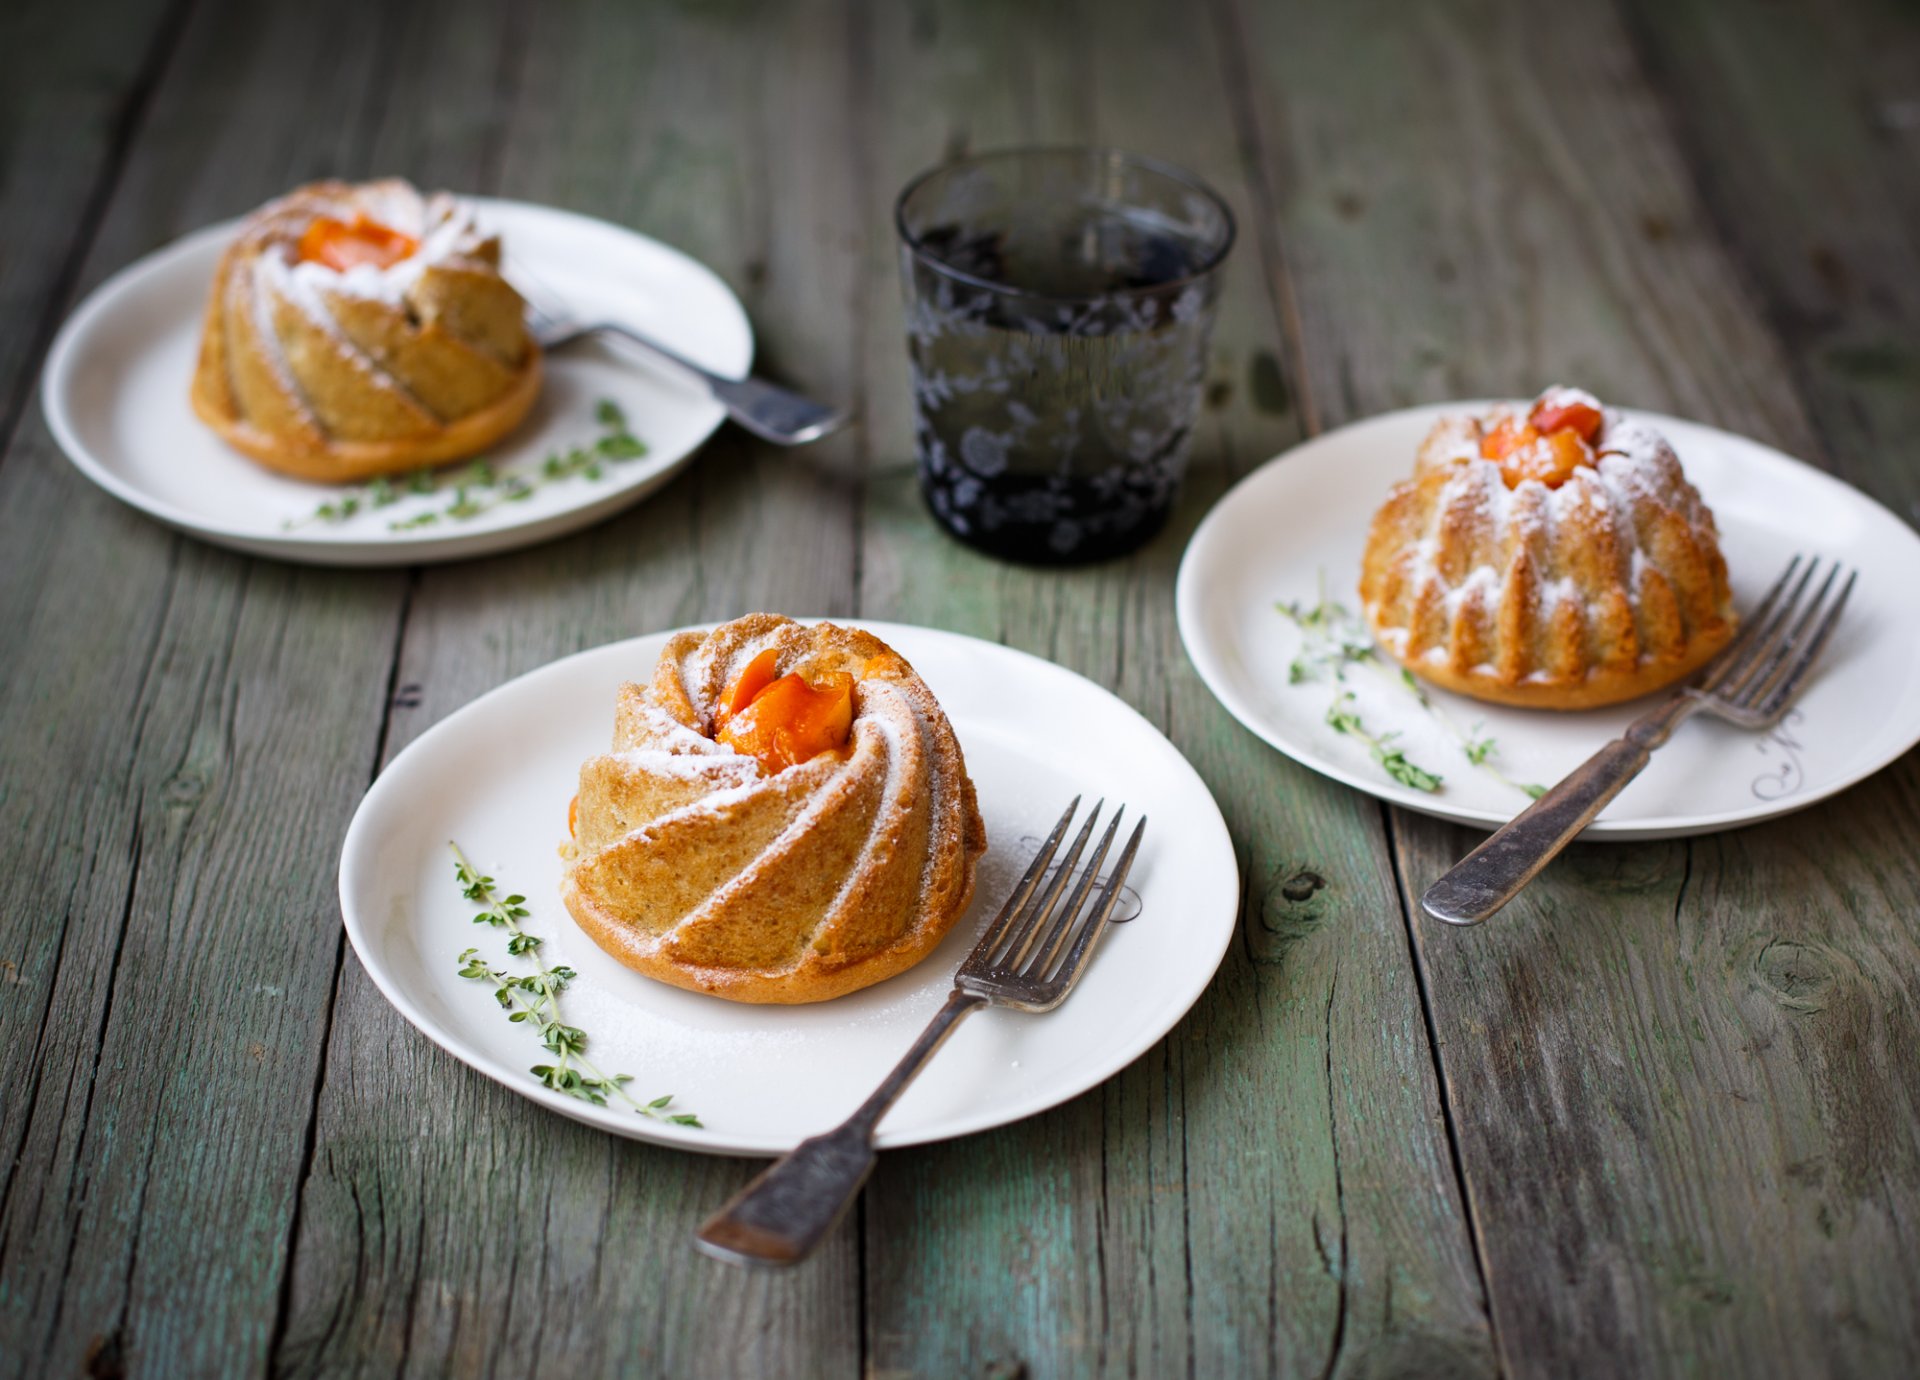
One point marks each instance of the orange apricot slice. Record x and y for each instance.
(1551, 459)
(790, 721)
(342, 245)
(757, 676)
(1582, 418)
(1506, 438)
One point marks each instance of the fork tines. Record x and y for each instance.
(1761, 672)
(1038, 945)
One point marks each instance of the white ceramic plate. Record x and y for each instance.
(115, 395)
(498, 774)
(1307, 512)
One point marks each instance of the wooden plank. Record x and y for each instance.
(1269, 1190)
(447, 1224)
(184, 733)
(1803, 130)
(64, 92)
(1671, 1068)
(69, 95)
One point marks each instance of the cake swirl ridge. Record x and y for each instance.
(1552, 555)
(696, 862)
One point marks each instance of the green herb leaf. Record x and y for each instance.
(1333, 640)
(480, 486)
(1406, 773)
(620, 446)
(534, 999)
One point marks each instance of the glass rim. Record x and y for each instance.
(916, 246)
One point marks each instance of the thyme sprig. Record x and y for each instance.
(1333, 640)
(1343, 718)
(534, 999)
(480, 486)
(1478, 746)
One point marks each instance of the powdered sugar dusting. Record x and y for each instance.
(897, 730)
(1482, 580)
(1460, 538)
(301, 289)
(445, 228)
(688, 766)
(259, 308)
(714, 806)
(671, 737)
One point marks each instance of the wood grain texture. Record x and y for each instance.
(1666, 1145)
(446, 1224)
(70, 96)
(185, 733)
(63, 96)
(1677, 1081)
(1804, 133)
(1147, 1228)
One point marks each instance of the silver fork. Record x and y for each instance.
(770, 412)
(1029, 958)
(1752, 684)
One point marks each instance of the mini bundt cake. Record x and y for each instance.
(1552, 556)
(357, 330)
(785, 816)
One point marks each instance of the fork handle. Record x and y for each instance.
(652, 346)
(769, 411)
(1493, 874)
(785, 1213)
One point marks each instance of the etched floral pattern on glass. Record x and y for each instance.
(1058, 306)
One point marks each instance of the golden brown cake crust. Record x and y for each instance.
(1598, 590)
(349, 462)
(339, 377)
(692, 865)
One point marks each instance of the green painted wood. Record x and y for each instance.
(1269, 1190)
(1679, 1076)
(68, 96)
(56, 149)
(447, 1224)
(184, 734)
(1804, 131)
(1675, 1071)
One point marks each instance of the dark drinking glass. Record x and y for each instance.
(1058, 307)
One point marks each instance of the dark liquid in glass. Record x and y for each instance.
(1053, 424)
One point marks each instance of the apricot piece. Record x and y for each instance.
(342, 245)
(1551, 459)
(1506, 438)
(789, 721)
(573, 818)
(1582, 418)
(757, 676)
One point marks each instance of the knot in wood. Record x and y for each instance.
(183, 788)
(1798, 976)
(1293, 907)
(1301, 885)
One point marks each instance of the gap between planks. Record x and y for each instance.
(1268, 236)
(310, 1141)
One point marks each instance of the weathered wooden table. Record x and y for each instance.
(1664, 1117)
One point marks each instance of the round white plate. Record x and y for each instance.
(497, 777)
(115, 395)
(1306, 513)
